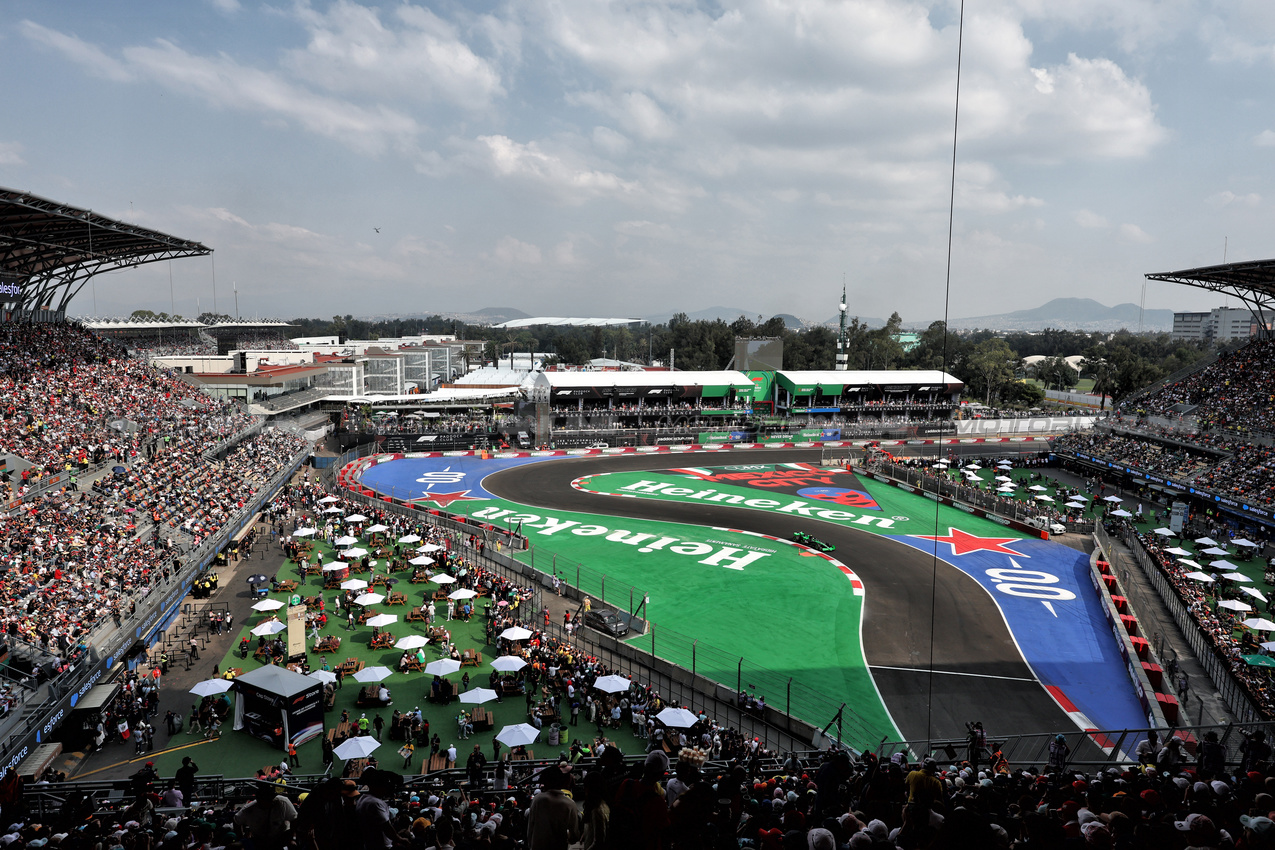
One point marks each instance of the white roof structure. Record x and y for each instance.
(566, 321)
(490, 376)
(646, 379)
(451, 396)
(130, 324)
(866, 378)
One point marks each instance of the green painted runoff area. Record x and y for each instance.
(742, 595)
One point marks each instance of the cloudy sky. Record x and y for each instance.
(580, 157)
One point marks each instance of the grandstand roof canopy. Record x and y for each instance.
(647, 379)
(833, 382)
(49, 250)
(1252, 281)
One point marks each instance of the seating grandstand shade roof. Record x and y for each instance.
(1250, 281)
(648, 379)
(50, 250)
(832, 383)
(567, 321)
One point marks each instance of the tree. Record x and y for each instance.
(1022, 394)
(992, 364)
(1056, 373)
(1102, 372)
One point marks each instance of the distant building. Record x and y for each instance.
(1221, 324)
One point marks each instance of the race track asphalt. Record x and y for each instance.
(977, 673)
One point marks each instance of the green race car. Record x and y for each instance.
(813, 542)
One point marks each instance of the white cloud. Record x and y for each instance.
(1133, 233)
(1228, 198)
(1090, 219)
(11, 153)
(564, 253)
(515, 253)
(226, 7)
(1265, 139)
(90, 57)
(419, 57)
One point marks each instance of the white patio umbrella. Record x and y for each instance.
(972, 465)
(334, 511)
(1177, 550)
(1236, 577)
(1004, 489)
(1214, 550)
(1038, 488)
(327, 677)
(304, 532)
(518, 735)
(1234, 605)
(356, 518)
(1121, 513)
(411, 642)
(1206, 541)
(410, 538)
(421, 561)
(428, 547)
(1222, 565)
(208, 687)
(353, 552)
(353, 584)
(1165, 532)
(442, 578)
(268, 628)
(346, 540)
(1254, 592)
(463, 593)
(369, 599)
(1077, 505)
(1259, 624)
(268, 605)
(373, 674)
(477, 696)
(516, 633)
(376, 529)
(327, 500)
(358, 747)
(1003, 478)
(1187, 562)
(380, 621)
(508, 664)
(1204, 577)
(442, 667)
(612, 684)
(677, 717)
(1240, 541)
(1080, 498)
(1268, 646)
(1044, 498)
(333, 567)
(1113, 499)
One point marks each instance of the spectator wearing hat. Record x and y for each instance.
(372, 811)
(268, 818)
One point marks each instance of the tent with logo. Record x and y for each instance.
(273, 698)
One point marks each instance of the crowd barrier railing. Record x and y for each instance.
(1230, 690)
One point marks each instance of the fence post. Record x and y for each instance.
(739, 677)
(788, 703)
(694, 644)
(604, 588)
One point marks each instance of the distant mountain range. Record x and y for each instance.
(1080, 314)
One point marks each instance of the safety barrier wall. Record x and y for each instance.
(1231, 690)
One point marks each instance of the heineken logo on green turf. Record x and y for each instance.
(716, 555)
(794, 507)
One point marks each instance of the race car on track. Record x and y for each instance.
(813, 542)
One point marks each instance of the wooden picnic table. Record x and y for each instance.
(288, 586)
(380, 580)
(351, 666)
(417, 615)
(437, 633)
(329, 643)
(312, 601)
(437, 762)
(481, 719)
(383, 640)
(420, 576)
(471, 658)
(396, 597)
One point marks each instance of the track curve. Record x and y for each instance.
(920, 614)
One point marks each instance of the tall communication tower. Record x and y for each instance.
(843, 353)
